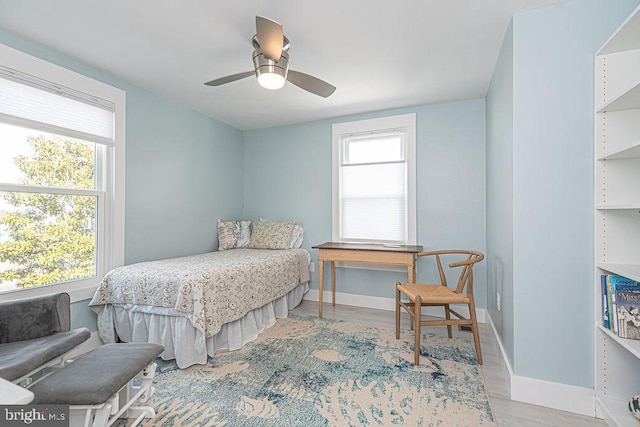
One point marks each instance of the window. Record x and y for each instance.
(61, 178)
(374, 181)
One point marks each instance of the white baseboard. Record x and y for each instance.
(382, 303)
(578, 400)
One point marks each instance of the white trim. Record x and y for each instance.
(564, 397)
(79, 290)
(579, 400)
(505, 361)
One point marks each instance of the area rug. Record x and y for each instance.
(306, 371)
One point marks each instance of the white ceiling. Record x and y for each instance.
(379, 54)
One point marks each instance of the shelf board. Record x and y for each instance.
(627, 100)
(625, 37)
(616, 412)
(631, 271)
(632, 346)
(630, 152)
(626, 206)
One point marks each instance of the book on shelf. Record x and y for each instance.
(605, 302)
(611, 314)
(628, 311)
(621, 305)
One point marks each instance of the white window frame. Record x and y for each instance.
(110, 210)
(402, 123)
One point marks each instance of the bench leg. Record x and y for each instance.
(143, 393)
(102, 416)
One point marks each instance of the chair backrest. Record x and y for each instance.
(465, 280)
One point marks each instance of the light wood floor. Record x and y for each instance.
(505, 411)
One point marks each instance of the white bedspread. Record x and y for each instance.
(212, 289)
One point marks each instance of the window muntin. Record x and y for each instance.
(374, 180)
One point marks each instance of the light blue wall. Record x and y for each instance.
(183, 171)
(499, 260)
(288, 176)
(552, 151)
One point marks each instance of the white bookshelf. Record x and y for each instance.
(617, 210)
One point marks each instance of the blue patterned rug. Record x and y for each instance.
(306, 371)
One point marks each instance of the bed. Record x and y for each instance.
(197, 305)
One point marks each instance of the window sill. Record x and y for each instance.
(78, 291)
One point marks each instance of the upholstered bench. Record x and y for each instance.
(35, 333)
(99, 385)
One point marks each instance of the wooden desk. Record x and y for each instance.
(369, 253)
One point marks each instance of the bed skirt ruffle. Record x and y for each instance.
(181, 340)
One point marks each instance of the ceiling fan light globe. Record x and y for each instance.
(272, 81)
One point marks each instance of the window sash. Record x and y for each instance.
(372, 201)
(100, 239)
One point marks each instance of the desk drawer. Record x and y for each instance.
(373, 257)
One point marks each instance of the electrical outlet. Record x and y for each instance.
(312, 267)
(498, 300)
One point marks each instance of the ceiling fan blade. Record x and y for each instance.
(270, 37)
(229, 79)
(310, 83)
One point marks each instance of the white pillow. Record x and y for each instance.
(296, 237)
(244, 238)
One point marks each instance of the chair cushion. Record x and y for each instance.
(436, 294)
(97, 375)
(21, 357)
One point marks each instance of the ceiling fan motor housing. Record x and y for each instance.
(263, 65)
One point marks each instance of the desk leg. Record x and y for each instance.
(320, 278)
(333, 283)
(411, 273)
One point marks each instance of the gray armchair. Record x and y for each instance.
(34, 332)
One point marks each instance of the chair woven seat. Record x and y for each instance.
(437, 294)
(420, 295)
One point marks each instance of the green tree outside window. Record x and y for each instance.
(50, 238)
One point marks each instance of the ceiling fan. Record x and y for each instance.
(271, 62)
